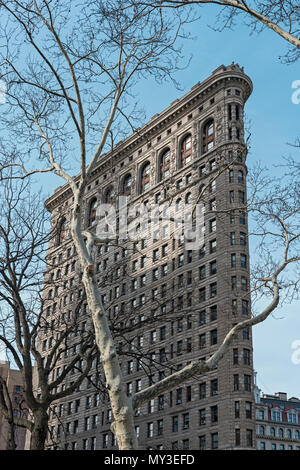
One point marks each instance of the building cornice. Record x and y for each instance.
(159, 122)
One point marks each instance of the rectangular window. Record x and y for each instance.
(233, 260)
(180, 280)
(213, 337)
(189, 279)
(213, 267)
(160, 427)
(246, 333)
(180, 260)
(175, 424)
(164, 269)
(235, 382)
(202, 391)
(249, 437)
(246, 357)
(248, 409)
(244, 284)
(242, 239)
(164, 250)
(212, 225)
(247, 383)
(202, 417)
(202, 317)
(213, 313)
(214, 441)
(243, 261)
(244, 307)
(241, 197)
(202, 442)
(202, 252)
(236, 409)
(149, 429)
(202, 272)
(185, 421)
(214, 414)
(237, 437)
(202, 341)
(214, 387)
(235, 356)
(161, 402)
(242, 218)
(202, 294)
(213, 289)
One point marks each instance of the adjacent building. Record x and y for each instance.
(277, 421)
(168, 304)
(14, 383)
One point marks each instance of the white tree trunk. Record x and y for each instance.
(121, 404)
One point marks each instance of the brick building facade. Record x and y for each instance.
(171, 304)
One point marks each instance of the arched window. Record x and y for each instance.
(289, 434)
(208, 136)
(61, 232)
(109, 195)
(126, 186)
(145, 177)
(261, 430)
(164, 165)
(188, 198)
(178, 204)
(280, 432)
(92, 211)
(297, 435)
(202, 189)
(272, 432)
(185, 151)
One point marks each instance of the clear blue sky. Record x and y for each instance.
(275, 121)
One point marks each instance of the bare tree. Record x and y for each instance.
(67, 98)
(24, 234)
(274, 209)
(84, 65)
(278, 16)
(6, 405)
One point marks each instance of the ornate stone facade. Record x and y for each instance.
(173, 305)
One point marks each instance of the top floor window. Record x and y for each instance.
(164, 165)
(208, 136)
(292, 417)
(126, 186)
(185, 151)
(145, 177)
(276, 415)
(61, 232)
